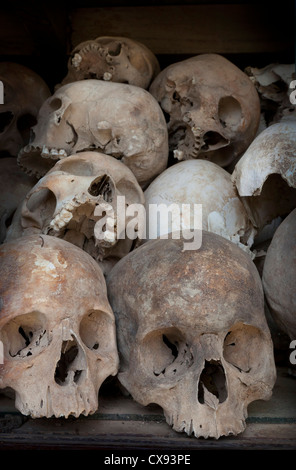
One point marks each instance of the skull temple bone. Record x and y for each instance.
(56, 326)
(213, 108)
(120, 120)
(192, 335)
(112, 58)
(73, 196)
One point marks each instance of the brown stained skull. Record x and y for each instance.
(279, 274)
(212, 108)
(56, 327)
(24, 93)
(120, 120)
(15, 184)
(191, 332)
(65, 203)
(112, 58)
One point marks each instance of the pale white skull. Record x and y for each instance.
(112, 58)
(265, 176)
(198, 182)
(120, 120)
(212, 106)
(279, 274)
(15, 184)
(24, 93)
(192, 335)
(73, 196)
(56, 326)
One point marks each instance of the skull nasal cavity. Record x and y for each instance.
(69, 352)
(213, 380)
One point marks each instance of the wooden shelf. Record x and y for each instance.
(122, 424)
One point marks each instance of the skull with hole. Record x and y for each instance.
(191, 333)
(24, 93)
(265, 176)
(212, 106)
(78, 200)
(120, 120)
(112, 58)
(15, 184)
(198, 182)
(56, 326)
(279, 274)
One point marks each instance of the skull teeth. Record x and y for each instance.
(53, 153)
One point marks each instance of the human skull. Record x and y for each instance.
(199, 182)
(191, 333)
(56, 326)
(15, 184)
(212, 106)
(265, 175)
(112, 58)
(66, 202)
(272, 83)
(279, 274)
(120, 120)
(24, 93)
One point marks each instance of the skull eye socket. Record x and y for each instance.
(93, 331)
(229, 112)
(102, 185)
(166, 353)
(5, 119)
(25, 335)
(241, 346)
(114, 49)
(24, 124)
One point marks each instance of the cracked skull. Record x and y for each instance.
(212, 108)
(265, 176)
(120, 120)
(56, 326)
(115, 59)
(24, 93)
(76, 194)
(192, 335)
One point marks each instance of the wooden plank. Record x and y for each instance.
(123, 424)
(190, 29)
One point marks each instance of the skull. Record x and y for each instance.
(115, 59)
(212, 106)
(14, 186)
(201, 182)
(120, 120)
(279, 274)
(272, 83)
(265, 176)
(56, 326)
(192, 335)
(65, 201)
(24, 93)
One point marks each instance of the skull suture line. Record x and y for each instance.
(212, 106)
(112, 58)
(120, 120)
(192, 335)
(63, 203)
(56, 326)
